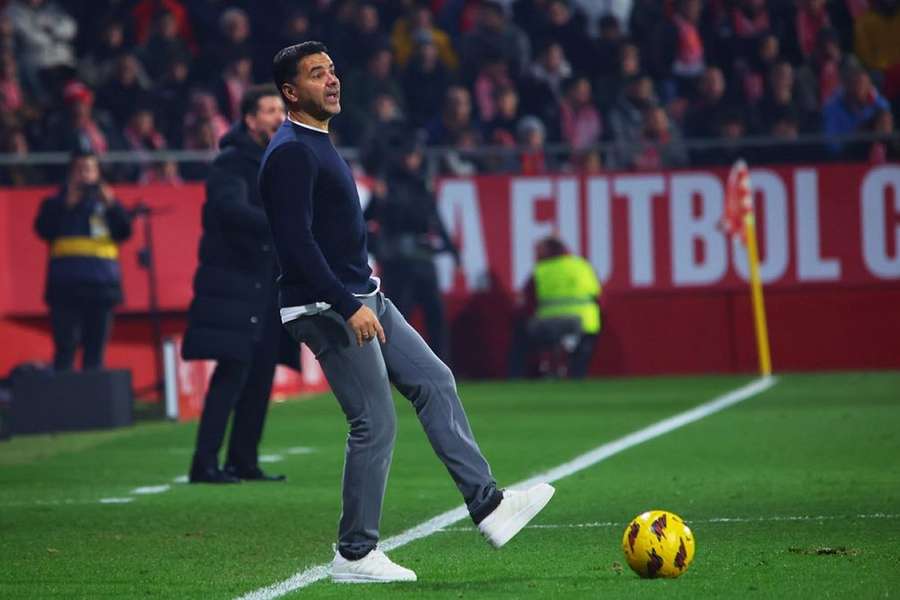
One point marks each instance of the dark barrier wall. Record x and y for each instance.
(675, 298)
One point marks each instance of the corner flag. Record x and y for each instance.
(739, 220)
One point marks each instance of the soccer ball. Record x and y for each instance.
(657, 543)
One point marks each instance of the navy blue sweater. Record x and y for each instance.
(317, 224)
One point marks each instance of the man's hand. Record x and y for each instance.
(365, 325)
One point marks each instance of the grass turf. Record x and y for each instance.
(824, 447)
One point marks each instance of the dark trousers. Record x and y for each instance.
(86, 324)
(525, 344)
(243, 388)
(411, 283)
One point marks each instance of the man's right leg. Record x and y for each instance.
(358, 378)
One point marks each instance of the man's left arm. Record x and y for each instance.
(118, 221)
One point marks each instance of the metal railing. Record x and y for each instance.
(698, 152)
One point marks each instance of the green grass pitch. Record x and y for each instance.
(794, 493)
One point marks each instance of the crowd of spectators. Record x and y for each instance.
(619, 84)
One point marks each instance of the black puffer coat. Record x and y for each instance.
(235, 281)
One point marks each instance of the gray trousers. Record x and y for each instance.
(360, 378)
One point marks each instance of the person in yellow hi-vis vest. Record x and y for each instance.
(558, 309)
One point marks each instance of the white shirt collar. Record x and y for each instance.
(307, 126)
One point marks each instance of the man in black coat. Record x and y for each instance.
(234, 317)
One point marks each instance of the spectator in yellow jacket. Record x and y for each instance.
(418, 25)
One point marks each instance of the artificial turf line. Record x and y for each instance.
(311, 575)
(714, 520)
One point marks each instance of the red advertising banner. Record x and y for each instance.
(675, 296)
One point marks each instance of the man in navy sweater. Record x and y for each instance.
(331, 302)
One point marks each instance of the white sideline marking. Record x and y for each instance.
(769, 519)
(300, 450)
(180, 479)
(125, 500)
(311, 575)
(270, 458)
(151, 489)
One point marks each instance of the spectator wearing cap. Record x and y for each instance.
(417, 28)
(45, 36)
(424, 80)
(80, 127)
(494, 30)
(533, 159)
(877, 35)
(580, 122)
(853, 109)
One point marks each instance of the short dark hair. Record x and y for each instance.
(284, 66)
(250, 99)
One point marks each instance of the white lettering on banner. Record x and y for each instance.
(640, 191)
(687, 269)
(874, 219)
(568, 213)
(774, 253)
(460, 212)
(599, 227)
(811, 265)
(527, 231)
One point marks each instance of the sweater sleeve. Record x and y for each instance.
(289, 179)
(46, 224)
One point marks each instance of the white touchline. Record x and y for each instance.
(151, 489)
(714, 520)
(311, 575)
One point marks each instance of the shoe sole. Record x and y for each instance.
(524, 516)
(353, 578)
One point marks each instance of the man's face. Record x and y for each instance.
(268, 117)
(316, 88)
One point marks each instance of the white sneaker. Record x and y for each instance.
(374, 567)
(514, 512)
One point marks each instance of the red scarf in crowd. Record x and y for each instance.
(808, 27)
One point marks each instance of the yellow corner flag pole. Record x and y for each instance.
(759, 307)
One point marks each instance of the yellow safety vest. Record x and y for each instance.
(567, 286)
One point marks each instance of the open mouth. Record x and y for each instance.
(333, 96)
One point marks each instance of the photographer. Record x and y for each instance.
(83, 225)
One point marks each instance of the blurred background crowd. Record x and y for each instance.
(550, 85)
